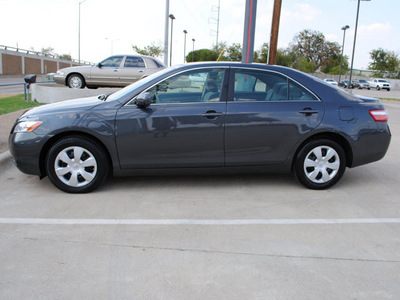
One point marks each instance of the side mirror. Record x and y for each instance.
(99, 65)
(143, 100)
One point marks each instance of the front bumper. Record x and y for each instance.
(60, 79)
(25, 148)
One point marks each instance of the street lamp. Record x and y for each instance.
(193, 50)
(184, 47)
(344, 28)
(172, 17)
(79, 32)
(112, 44)
(355, 38)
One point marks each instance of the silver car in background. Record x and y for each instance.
(114, 71)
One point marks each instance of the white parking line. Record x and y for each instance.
(41, 221)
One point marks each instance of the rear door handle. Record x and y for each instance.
(308, 111)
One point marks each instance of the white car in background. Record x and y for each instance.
(331, 81)
(380, 84)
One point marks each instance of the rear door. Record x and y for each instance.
(267, 114)
(133, 69)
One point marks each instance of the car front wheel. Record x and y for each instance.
(320, 164)
(76, 165)
(76, 81)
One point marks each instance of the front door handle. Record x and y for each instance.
(212, 114)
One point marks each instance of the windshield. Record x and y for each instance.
(126, 90)
(382, 80)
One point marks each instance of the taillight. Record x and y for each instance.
(379, 115)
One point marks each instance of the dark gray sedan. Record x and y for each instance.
(204, 117)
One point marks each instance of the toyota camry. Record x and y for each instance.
(204, 118)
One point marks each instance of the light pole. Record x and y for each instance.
(112, 44)
(172, 17)
(166, 33)
(354, 43)
(184, 47)
(79, 32)
(344, 28)
(193, 50)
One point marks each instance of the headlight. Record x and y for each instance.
(27, 126)
(60, 72)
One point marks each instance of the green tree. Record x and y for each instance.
(49, 51)
(202, 55)
(65, 56)
(234, 52)
(151, 50)
(384, 62)
(220, 48)
(283, 58)
(261, 55)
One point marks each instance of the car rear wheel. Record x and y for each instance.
(378, 88)
(76, 165)
(320, 164)
(76, 81)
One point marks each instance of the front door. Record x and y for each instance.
(107, 72)
(183, 127)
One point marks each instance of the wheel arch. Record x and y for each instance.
(336, 137)
(74, 73)
(54, 139)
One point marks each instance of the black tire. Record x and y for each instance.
(76, 81)
(388, 90)
(93, 87)
(378, 88)
(74, 176)
(320, 164)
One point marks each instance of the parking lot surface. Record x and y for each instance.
(218, 237)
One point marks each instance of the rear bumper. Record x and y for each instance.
(371, 146)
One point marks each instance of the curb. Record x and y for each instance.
(5, 157)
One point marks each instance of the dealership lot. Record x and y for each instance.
(221, 237)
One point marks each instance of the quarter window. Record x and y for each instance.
(193, 86)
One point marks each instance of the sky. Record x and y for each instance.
(112, 27)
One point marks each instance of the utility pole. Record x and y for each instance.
(219, 1)
(249, 29)
(273, 42)
(166, 33)
(354, 42)
(344, 28)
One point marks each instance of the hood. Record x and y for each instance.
(81, 104)
(74, 69)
